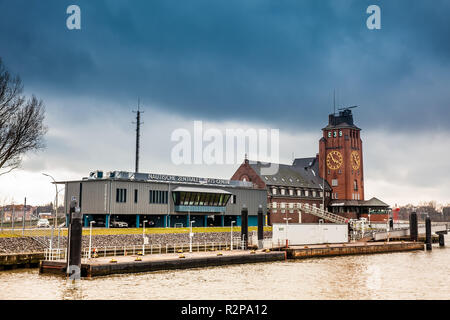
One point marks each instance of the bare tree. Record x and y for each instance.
(22, 126)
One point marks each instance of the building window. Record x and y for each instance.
(355, 185)
(283, 191)
(233, 199)
(336, 195)
(314, 193)
(283, 205)
(334, 182)
(121, 195)
(299, 193)
(274, 205)
(274, 191)
(161, 197)
(135, 196)
(306, 193)
(291, 192)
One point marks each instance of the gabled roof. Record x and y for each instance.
(375, 202)
(302, 174)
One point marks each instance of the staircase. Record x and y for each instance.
(318, 212)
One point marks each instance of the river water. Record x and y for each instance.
(403, 275)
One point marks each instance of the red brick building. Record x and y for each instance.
(334, 179)
(288, 188)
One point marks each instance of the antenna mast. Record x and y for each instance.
(138, 135)
(334, 101)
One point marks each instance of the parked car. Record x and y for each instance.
(100, 223)
(119, 224)
(43, 223)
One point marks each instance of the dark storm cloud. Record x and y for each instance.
(275, 61)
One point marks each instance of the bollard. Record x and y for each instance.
(244, 226)
(441, 240)
(260, 227)
(413, 231)
(73, 269)
(428, 240)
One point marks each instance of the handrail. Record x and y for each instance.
(158, 248)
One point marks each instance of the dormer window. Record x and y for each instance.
(274, 191)
(283, 191)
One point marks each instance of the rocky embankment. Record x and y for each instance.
(28, 244)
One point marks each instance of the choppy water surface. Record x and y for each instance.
(405, 275)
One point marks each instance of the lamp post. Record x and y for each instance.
(90, 238)
(143, 237)
(287, 241)
(56, 198)
(191, 235)
(232, 234)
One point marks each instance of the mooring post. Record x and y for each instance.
(73, 269)
(260, 227)
(428, 239)
(244, 226)
(441, 240)
(413, 231)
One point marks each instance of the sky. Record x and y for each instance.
(254, 64)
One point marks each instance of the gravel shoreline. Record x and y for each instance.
(28, 244)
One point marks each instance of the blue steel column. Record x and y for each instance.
(205, 221)
(187, 221)
(67, 220)
(86, 222)
(223, 221)
(137, 220)
(107, 221)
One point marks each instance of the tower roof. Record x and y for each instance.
(343, 120)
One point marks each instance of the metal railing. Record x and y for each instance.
(55, 254)
(318, 212)
(159, 248)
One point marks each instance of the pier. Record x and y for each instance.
(324, 250)
(103, 266)
(20, 260)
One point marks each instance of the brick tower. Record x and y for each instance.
(341, 158)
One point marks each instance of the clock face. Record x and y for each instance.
(334, 160)
(356, 161)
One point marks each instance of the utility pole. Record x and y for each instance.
(138, 129)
